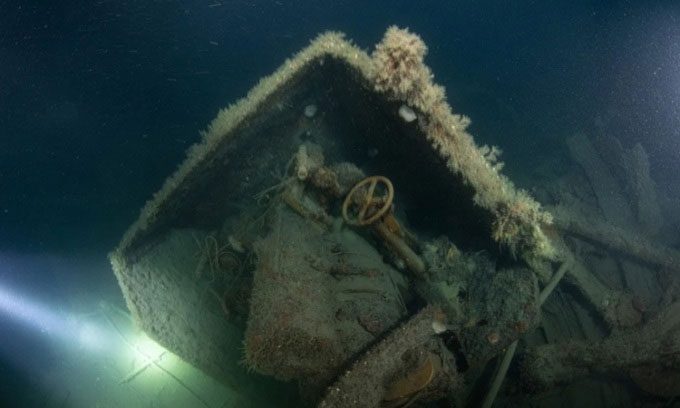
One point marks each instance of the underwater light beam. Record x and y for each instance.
(151, 353)
(42, 318)
(29, 313)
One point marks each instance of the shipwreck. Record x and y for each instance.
(338, 239)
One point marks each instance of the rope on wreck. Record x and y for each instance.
(152, 361)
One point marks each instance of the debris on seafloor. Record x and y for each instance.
(339, 239)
